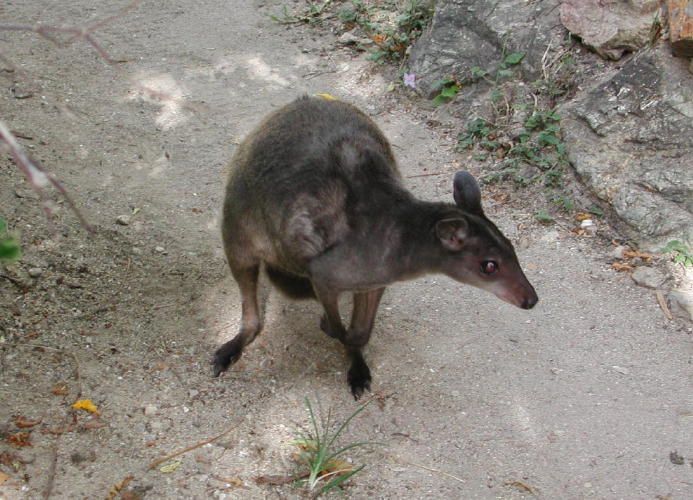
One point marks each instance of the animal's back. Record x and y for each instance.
(299, 177)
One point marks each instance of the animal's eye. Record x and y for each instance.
(489, 267)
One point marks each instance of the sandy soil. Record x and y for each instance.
(586, 396)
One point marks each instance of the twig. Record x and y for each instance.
(663, 305)
(38, 177)
(426, 175)
(48, 490)
(160, 461)
(430, 469)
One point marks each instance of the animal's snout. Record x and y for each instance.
(530, 301)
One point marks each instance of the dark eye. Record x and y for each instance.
(489, 267)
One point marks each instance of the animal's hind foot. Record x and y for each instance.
(225, 356)
(359, 379)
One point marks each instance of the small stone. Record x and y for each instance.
(681, 303)
(648, 277)
(192, 393)
(160, 250)
(35, 272)
(619, 251)
(621, 370)
(150, 410)
(348, 38)
(136, 251)
(123, 220)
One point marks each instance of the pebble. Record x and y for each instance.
(681, 303)
(159, 249)
(35, 272)
(150, 410)
(648, 277)
(123, 220)
(619, 251)
(136, 251)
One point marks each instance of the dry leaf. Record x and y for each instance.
(23, 423)
(523, 487)
(86, 405)
(634, 254)
(60, 389)
(337, 468)
(19, 439)
(378, 38)
(622, 267)
(170, 467)
(113, 493)
(580, 216)
(234, 481)
(4, 477)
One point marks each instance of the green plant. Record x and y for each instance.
(448, 88)
(319, 453)
(311, 15)
(682, 253)
(9, 246)
(543, 217)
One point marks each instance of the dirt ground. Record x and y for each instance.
(588, 395)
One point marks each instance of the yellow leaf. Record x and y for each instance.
(170, 467)
(87, 405)
(326, 96)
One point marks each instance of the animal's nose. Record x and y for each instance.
(529, 302)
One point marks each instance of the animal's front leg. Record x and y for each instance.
(331, 322)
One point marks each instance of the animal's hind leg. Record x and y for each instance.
(251, 322)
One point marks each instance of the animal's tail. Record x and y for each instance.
(295, 287)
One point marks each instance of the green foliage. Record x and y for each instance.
(681, 253)
(448, 88)
(9, 246)
(311, 15)
(320, 454)
(543, 217)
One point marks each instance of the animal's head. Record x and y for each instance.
(477, 253)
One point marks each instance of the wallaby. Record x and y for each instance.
(315, 195)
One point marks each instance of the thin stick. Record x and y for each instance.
(430, 469)
(48, 490)
(156, 463)
(426, 175)
(663, 305)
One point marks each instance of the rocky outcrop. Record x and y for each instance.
(630, 139)
(611, 27)
(468, 33)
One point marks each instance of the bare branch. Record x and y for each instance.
(39, 178)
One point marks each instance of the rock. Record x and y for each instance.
(611, 28)
(348, 38)
(629, 140)
(35, 272)
(467, 33)
(123, 220)
(619, 251)
(648, 277)
(160, 250)
(681, 303)
(150, 410)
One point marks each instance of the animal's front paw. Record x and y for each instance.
(359, 379)
(225, 356)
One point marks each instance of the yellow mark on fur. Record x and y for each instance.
(326, 96)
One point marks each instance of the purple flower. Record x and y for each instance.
(409, 80)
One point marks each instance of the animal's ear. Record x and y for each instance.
(452, 233)
(467, 193)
